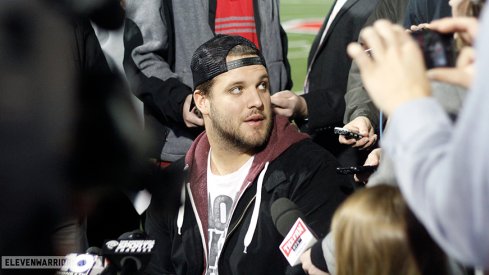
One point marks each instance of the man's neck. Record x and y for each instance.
(224, 161)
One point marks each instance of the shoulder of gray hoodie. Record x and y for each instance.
(451, 98)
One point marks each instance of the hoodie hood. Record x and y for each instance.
(283, 135)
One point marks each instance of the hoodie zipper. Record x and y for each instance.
(234, 228)
(199, 224)
(239, 220)
(229, 232)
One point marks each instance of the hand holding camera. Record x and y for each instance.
(438, 48)
(466, 29)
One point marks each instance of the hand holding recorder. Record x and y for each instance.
(359, 133)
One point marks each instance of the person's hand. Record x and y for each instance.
(190, 118)
(465, 27)
(372, 159)
(462, 74)
(307, 265)
(394, 72)
(363, 126)
(422, 26)
(459, 7)
(288, 104)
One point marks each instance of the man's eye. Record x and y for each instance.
(235, 90)
(263, 86)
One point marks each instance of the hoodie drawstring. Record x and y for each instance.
(254, 217)
(181, 210)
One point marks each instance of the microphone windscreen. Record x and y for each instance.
(94, 251)
(133, 235)
(284, 214)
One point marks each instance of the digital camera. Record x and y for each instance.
(438, 48)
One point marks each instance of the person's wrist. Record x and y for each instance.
(303, 112)
(317, 257)
(395, 105)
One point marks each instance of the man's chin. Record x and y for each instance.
(258, 140)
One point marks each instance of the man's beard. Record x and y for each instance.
(229, 133)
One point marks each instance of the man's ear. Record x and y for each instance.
(201, 102)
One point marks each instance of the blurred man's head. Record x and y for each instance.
(232, 92)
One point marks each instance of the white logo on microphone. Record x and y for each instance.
(112, 244)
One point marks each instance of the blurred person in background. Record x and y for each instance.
(63, 125)
(426, 147)
(37, 109)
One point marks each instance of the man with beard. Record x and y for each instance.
(245, 160)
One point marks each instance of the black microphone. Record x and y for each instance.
(94, 250)
(130, 253)
(289, 221)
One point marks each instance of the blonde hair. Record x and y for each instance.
(370, 235)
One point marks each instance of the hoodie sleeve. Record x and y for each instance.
(149, 57)
(313, 185)
(358, 102)
(317, 189)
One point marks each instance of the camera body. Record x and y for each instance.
(438, 48)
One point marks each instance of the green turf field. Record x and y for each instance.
(300, 43)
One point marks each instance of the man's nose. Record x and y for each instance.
(255, 98)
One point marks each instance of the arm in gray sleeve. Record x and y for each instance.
(151, 55)
(443, 168)
(148, 58)
(329, 253)
(358, 102)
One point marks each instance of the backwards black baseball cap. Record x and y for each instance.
(209, 59)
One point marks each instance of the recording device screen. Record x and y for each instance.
(438, 49)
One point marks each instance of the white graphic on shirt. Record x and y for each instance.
(219, 213)
(222, 195)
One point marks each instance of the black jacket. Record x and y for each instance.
(328, 66)
(329, 63)
(300, 171)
